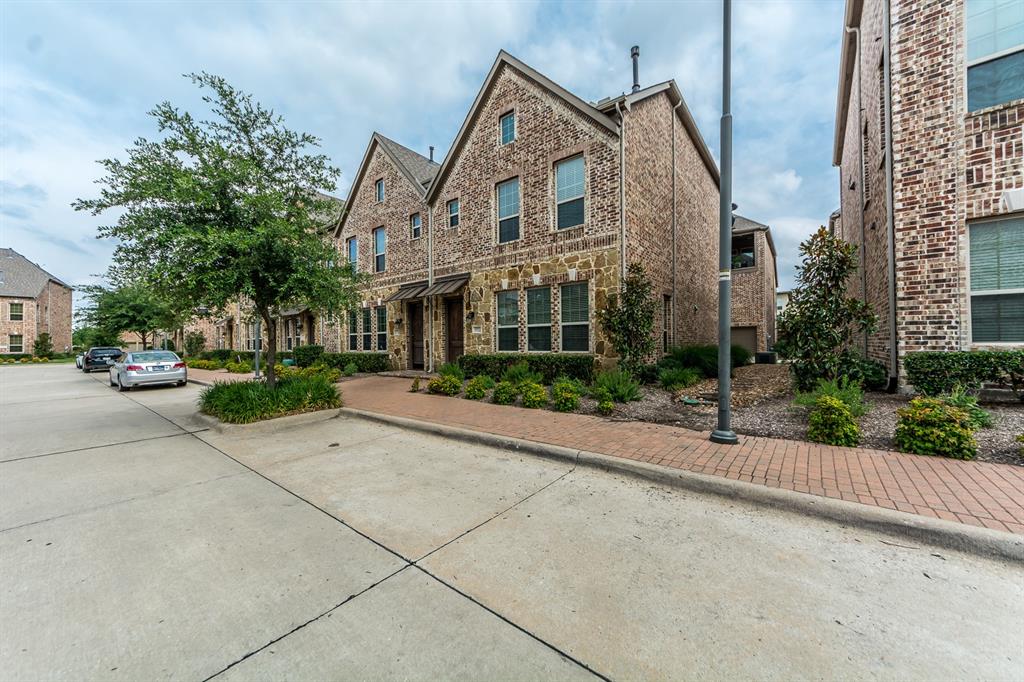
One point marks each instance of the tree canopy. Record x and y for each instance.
(128, 308)
(628, 320)
(227, 209)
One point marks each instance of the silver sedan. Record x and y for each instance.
(145, 367)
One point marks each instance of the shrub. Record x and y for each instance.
(477, 387)
(44, 359)
(199, 363)
(365, 362)
(415, 388)
(220, 354)
(244, 402)
(452, 369)
(620, 384)
(870, 374)
(702, 357)
(848, 392)
(351, 369)
(504, 393)
(332, 374)
(979, 418)
(550, 365)
(830, 422)
(520, 373)
(194, 342)
(565, 394)
(305, 356)
(534, 395)
(1020, 439)
(238, 367)
(43, 346)
(647, 374)
(739, 356)
(934, 373)
(929, 426)
(445, 384)
(605, 404)
(628, 318)
(674, 379)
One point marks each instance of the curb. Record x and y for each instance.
(937, 532)
(275, 424)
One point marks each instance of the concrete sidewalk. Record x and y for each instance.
(974, 493)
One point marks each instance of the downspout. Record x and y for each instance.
(675, 283)
(863, 174)
(430, 282)
(622, 192)
(890, 231)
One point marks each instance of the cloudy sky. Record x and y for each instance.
(78, 79)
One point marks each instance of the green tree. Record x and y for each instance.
(43, 346)
(127, 308)
(194, 343)
(628, 320)
(228, 209)
(88, 336)
(818, 326)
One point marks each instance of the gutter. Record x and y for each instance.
(430, 281)
(859, 69)
(894, 371)
(622, 190)
(675, 283)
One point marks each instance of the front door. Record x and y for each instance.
(453, 312)
(416, 334)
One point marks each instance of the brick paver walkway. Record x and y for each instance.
(975, 493)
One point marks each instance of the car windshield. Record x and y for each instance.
(104, 352)
(155, 356)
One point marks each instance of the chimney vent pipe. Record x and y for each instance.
(635, 54)
(431, 152)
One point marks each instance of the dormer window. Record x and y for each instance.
(379, 190)
(508, 127)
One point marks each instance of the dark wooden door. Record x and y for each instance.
(416, 334)
(456, 343)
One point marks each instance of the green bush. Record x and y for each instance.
(549, 365)
(627, 318)
(351, 369)
(703, 357)
(605, 404)
(565, 394)
(445, 384)
(870, 374)
(505, 393)
(620, 384)
(244, 402)
(43, 346)
(936, 372)
(365, 362)
(194, 342)
(830, 422)
(415, 387)
(739, 356)
(452, 369)
(238, 367)
(332, 374)
(198, 363)
(306, 356)
(676, 378)
(646, 374)
(1020, 439)
(478, 386)
(520, 373)
(534, 395)
(849, 392)
(930, 426)
(979, 418)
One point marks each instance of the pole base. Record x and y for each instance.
(724, 437)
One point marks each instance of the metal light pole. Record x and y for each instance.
(724, 432)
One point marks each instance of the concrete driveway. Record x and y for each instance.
(136, 544)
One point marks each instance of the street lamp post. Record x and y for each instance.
(724, 432)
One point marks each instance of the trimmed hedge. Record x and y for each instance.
(305, 356)
(549, 366)
(937, 372)
(366, 362)
(228, 355)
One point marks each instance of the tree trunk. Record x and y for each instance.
(271, 347)
(142, 335)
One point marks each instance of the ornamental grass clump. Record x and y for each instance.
(478, 386)
(534, 395)
(445, 384)
(350, 369)
(849, 392)
(959, 397)
(451, 369)
(505, 393)
(931, 426)
(675, 379)
(832, 423)
(620, 384)
(244, 402)
(521, 373)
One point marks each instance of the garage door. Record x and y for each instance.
(746, 337)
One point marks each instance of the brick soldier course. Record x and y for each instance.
(32, 302)
(955, 164)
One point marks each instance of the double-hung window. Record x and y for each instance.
(743, 252)
(17, 312)
(508, 211)
(538, 319)
(382, 327)
(995, 52)
(453, 213)
(378, 190)
(575, 317)
(353, 330)
(997, 281)
(352, 246)
(289, 331)
(415, 225)
(508, 127)
(508, 321)
(380, 240)
(569, 192)
(15, 343)
(367, 331)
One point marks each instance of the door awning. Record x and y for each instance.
(447, 285)
(292, 312)
(407, 291)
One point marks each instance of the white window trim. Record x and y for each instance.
(412, 236)
(10, 344)
(583, 192)
(353, 331)
(348, 253)
(515, 128)
(550, 325)
(366, 324)
(10, 312)
(969, 322)
(378, 191)
(458, 212)
(995, 55)
(562, 325)
(379, 332)
(497, 322)
(517, 214)
(384, 253)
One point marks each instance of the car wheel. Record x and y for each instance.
(121, 387)
(181, 383)
(111, 380)
(85, 370)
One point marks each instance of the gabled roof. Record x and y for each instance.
(505, 59)
(418, 169)
(675, 96)
(20, 277)
(847, 64)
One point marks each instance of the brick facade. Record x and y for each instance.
(753, 293)
(45, 305)
(949, 168)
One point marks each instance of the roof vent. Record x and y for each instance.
(431, 152)
(635, 54)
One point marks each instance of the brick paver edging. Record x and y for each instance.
(974, 493)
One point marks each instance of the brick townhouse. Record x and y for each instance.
(754, 277)
(516, 239)
(32, 302)
(929, 141)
